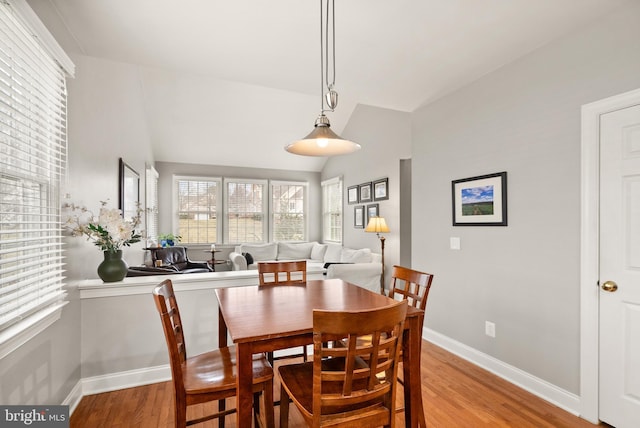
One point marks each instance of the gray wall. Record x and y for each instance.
(385, 137)
(524, 119)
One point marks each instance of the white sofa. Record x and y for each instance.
(360, 267)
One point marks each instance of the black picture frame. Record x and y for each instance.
(364, 192)
(128, 190)
(358, 216)
(480, 200)
(373, 210)
(381, 189)
(352, 195)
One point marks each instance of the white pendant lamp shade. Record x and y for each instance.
(322, 141)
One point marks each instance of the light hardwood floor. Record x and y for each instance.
(455, 394)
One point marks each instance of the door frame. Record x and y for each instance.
(590, 246)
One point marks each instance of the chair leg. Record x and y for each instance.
(268, 404)
(181, 415)
(221, 408)
(284, 408)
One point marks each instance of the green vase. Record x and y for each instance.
(112, 268)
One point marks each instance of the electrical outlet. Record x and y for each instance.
(490, 329)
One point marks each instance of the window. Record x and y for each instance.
(198, 209)
(245, 211)
(33, 156)
(288, 211)
(332, 210)
(151, 199)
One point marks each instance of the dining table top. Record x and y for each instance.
(257, 313)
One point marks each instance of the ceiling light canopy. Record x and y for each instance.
(322, 141)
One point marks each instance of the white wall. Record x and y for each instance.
(385, 137)
(524, 119)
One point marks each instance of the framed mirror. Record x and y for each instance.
(129, 191)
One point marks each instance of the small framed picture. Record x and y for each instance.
(381, 189)
(352, 194)
(480, 201)
(358, 217)
(373, 210)
(365, 192)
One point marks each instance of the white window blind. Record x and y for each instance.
(246, 211)
(332, 210)
(288, 211)
(33, 153)
(151, 202)
(198, 209)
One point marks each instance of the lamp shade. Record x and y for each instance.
(322, 141)
(377, 225)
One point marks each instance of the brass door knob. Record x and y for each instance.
(609, 286)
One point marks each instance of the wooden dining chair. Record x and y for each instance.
(294, 272)
(209, 376)
(283, 273)
(411, 285)
(352, 386)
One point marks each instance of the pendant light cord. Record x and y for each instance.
(324, 50)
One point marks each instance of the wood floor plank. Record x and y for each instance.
(455, 392)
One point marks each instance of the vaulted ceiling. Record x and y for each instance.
(249, 69)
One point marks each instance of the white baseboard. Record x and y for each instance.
(128, 379)
(539, 387)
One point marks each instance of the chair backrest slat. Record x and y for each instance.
(295, 272)
(356, 375)
(412, 285)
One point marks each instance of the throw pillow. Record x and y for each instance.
(332, 254)
(249, 258)
(294, 250)
(356, 256)
(318, 251)
(261, 252)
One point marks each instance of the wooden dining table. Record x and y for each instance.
(268, 318)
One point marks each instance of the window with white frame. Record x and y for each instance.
(288, 211)
(151, 200)
(245, 210)
(33, 156)
(198, 209)
(332, 210)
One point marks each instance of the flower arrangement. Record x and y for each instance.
(109, 231)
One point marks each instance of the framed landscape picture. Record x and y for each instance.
(358, 217)
(480, 201)
(352, 194)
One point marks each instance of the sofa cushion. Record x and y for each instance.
(294, 250)
(333, 253)
(261, 252)
(318, 251)
(355, 256)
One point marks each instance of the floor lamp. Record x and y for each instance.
(377, 225)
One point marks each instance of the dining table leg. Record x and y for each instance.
(411, 344)
(244, 384)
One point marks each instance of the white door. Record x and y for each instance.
(619, 297)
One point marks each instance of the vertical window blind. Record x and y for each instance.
(33, 155)
(151, 198)
(332, 210)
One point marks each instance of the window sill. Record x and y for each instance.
(23, 331)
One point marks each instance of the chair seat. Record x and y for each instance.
(215, 371)
(298, 380)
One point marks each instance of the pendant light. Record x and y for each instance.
(322, 141)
